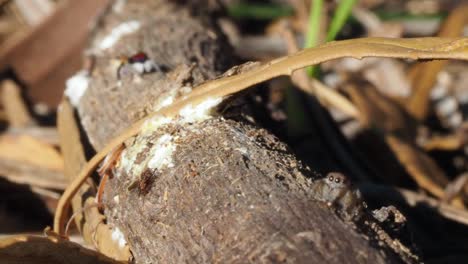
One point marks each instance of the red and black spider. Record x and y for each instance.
(138, 63)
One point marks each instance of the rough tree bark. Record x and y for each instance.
(216, 190)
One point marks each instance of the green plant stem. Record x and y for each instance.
(312, 37)
(340, 17)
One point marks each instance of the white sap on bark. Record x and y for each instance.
(76, 87)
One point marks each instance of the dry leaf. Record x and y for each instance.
(423, 76)
(50, 250)
(26, 160)
(15, 108)
(30, 150)
(89, 220)
(422, 168)
(399, 131)
(380, 112)
(448, 143)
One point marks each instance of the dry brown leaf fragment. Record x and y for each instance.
(88, 218)
(14, 105)
(380, 112)
(30, 150)
(399, 131)
(456, 187)
(26, 160)
(424, 171)
(47, 135)
(447, 143)
(50, 250)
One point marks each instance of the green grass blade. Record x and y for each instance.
(340, 17)
(312, 37)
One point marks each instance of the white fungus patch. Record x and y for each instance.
(162, 155)
(76, 86)
(200, 112)
(127, 158)
(165, 100)
(154, 123)
(118, 237)
(158, 156)
(118, 32)
(188, 114)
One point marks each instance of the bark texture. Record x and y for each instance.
(187, 49)
(220, 190)
(233, 194)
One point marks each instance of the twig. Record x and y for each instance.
(447, 143)
(454, 188)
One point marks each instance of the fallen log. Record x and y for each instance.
(203, 187)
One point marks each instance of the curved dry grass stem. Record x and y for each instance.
(87, 217)
(417, 48)
(314, 87)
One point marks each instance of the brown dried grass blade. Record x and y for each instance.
(26, 160)
(15, 108)
(399, 131)
(423, 76)
(417, 48)
(445, 143)
(314, 87)
(422, 169)
(90, 222)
